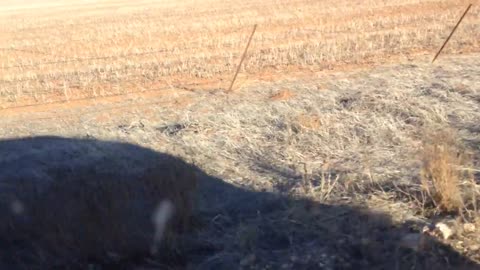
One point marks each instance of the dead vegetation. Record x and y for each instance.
(341, 148)
(360, 138)
(91, 209)
(360, 144)
(442, 174)
(69, 52)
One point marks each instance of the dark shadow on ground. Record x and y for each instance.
(86, 204)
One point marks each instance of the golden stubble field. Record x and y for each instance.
(56, 51)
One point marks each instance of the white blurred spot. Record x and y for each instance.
(447, 231)
(17, 207)
(160, 217)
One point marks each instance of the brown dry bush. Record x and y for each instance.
(441, 176)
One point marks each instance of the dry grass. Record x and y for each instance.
(447, 175)
(366, 125)
(199, 46)
(358, 132)
(440, 175)
(92, 213)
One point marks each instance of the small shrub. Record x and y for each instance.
(440, 174)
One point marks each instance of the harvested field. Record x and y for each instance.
(340, 147)
(58, 51)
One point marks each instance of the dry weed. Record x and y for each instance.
(441, 178)
(328, 182)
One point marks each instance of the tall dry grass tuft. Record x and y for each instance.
(440, 174)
